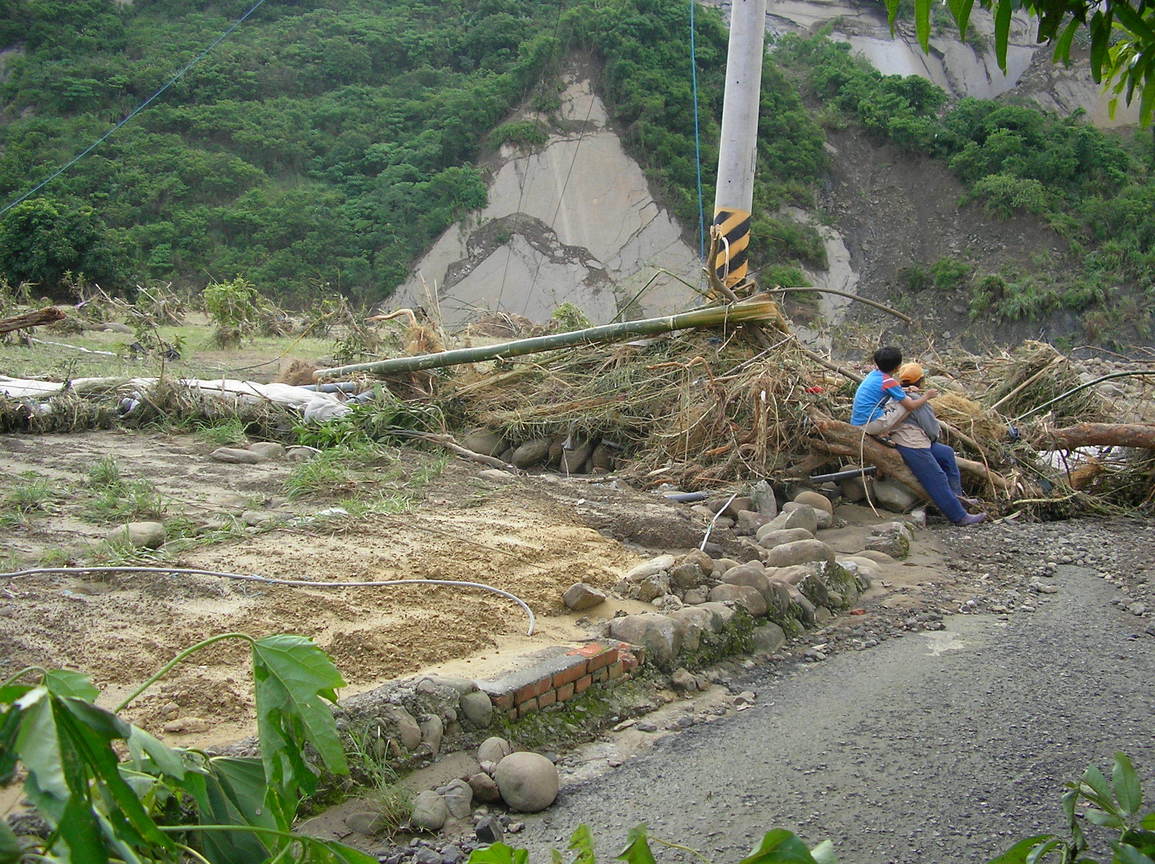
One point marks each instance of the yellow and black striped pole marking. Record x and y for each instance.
(730, 264)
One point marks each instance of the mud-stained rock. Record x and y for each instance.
(579, 597)
(484, 441)
(687, 575)
(814, 499)
(236, 456)
(477, 708)
(530, 453)
(484, 788)
(430, 812)
(769, 537)
(891, 538)
(271, 450)
(894, 496)
(822, 518)
(798, 552)
(139, 535)
(765, 501)
(657, 634)
(749, 521)
(748, 598)
(458, 798)
(432, 731)
(493, 749)
(528, 782)
(573, 459)
(768, 637)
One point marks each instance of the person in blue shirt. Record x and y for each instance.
(879, 404)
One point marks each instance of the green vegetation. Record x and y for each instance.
(1095, 189)
(116, 499)
(110, 791)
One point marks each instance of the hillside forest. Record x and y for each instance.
(324, 144)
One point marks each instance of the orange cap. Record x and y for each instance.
(910, 373)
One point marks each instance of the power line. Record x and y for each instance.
(204, 53)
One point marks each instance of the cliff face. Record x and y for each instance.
(574, 221)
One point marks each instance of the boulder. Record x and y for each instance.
(749, 521)
(657, 634)
(484, 788)
(477, 708)
(853, 489)
(407, 730)
(798, 552)
(765, 502)
(692, 622)
(574, 458)
(139, 535)
(458, 798)
(865, 570)
(720, 615)
(528, 782)
(752, 574)
(697, 556)
(493, 749)
(268, 449)
(530, 453)
(799, 516)
(685, 681)
(768, 537)
(236, 456)
(748, 598)
(777, 598)
(687, 575)
(484, 441)
(768, 637)
(579, 597)
(876, 556)
(892, 538)
(430, 812)
(694, 596)
(603, 458)
(651, 587)
(432, 731)
(649, 568)
(488, 830)
(894, 496)
(816, 500)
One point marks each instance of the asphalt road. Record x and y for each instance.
(936, 747)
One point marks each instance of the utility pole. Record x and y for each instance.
(734, 198)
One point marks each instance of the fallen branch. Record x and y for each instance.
(842, 439)
(464, 452)
(72, 347)
(1141, 435)
(38, 318)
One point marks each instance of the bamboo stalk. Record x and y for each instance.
(712, 316)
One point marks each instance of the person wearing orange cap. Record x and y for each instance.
(882, 405)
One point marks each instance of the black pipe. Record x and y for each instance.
(868, 471)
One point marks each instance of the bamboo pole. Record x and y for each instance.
(711, 316)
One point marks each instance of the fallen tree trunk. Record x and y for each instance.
(38, 318)
(1140, 435)
(842, 439)
(713, 316)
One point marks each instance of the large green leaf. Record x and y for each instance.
(1126, 854)
(294, 678)
(823, 853)
(65, 682)
(231, 792)
(165, 759)
(499, 853)
(780, 847)
(582, 842)
(1003, 12)
(37, 745)
(1125, 783)
(11, 850)
(637, 849)
(1018, 853)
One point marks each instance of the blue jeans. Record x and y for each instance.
(937, 471)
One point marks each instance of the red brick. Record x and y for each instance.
(564, 692)
(583, 683)
(572, 673)
(527, 707)
(617, 670)
(512, 714)
(631, 660)
(601, 674)
(607, 657)
(547, 698)
(535, 688)
(590, 649)
(502, 701)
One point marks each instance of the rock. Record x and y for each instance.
(720, 615)
(762, 494)
(823, 616)
(300, 454)
(574, 458)
(695, 596)
(432, 730)
(579, 597)
(657, 634)
(268, 449)
(692, 622)
(257, 518)
(365, 822)
(430, 812)
(649, 568)
(236, 456)
(798, 552)
(493, 750)
(749, 521)
(822, 519)
(452, 854)
(698, 557)
(497, 475)
(528, 782)
(768, 537)
(777, 597)
(748, 598)
(530, 453)
(458, 798)
(603, 459)
(853, 489)
(408, 732)
(483, 441)
(1137, 608)
(800, 516)
(752, 574)
(477, 708)
(816, 500)
(684, 681)
(667, 603)
(139, 535)
(768, 637)
(893, 538)
(736, 506)
(489, 829)
(876, 556)
(917, 518)
(651, 587)
(484, 788)
(1040, 587)
(893, 495)
(687, 575)
(864, 571)
(426, 855)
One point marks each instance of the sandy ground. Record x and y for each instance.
(514, 535)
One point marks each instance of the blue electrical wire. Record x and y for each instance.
(135, 110)
(697, 137)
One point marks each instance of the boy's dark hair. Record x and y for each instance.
(888, 358)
